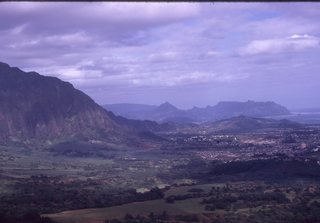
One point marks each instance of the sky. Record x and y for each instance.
(190, 54)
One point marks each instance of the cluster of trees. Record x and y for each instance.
(247, 200)
(151, 218)
(170, 199)
(29, 217)
(306, 213)
(193, 193)
(278, 168)
(277, 197)
(155, 218)
(49, 197)
(222, 202)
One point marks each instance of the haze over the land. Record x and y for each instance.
(186, 53)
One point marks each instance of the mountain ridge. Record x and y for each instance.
(36, 108)
(222, 110)
(248, 124)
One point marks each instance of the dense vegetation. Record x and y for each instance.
(155, 218)
(46, 196)
(29, 217)
(244, 202)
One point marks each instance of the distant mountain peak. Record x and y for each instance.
(167, 106)
(244, 123)
(222, 110)
(4, 65)
(249, 108)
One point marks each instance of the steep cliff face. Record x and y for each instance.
(40, 107)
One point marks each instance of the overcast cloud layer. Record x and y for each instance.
(185, 53)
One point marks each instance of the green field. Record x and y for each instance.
(98, 215)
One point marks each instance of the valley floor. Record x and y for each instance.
(266, 176)
(233, 202)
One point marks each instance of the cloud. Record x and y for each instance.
(173, 80)
(209, 54)
(163, 57)
(293, 43)
(55, 18)
(145, 46)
